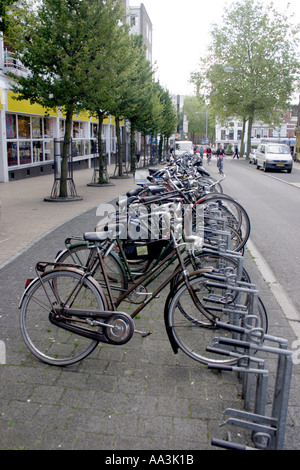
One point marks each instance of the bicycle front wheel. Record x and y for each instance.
(194, 331)
(48, 342)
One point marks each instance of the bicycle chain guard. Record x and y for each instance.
(119, 329)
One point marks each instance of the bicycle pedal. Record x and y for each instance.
(144, 334)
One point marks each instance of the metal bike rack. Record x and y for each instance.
(267, 431)
(252, 349)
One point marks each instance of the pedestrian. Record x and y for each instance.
(220, 158)
(208, 154)
(236, 153)
(201, 151)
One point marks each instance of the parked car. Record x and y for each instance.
(252, 156)
(183, 146)
(274, 157)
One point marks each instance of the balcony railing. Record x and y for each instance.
(12, 64)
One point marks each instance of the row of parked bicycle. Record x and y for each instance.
(184, 219)
(179, 232)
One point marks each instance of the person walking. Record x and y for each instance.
(236, 153)
(208, 155)
(220, 159)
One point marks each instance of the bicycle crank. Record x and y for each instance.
(113, 327)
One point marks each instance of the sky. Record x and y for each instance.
(181, 33)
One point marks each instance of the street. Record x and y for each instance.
(273, 207)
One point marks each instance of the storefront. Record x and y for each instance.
(28, 133)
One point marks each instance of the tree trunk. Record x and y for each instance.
(119, 150)
(63, 189)
(132, 148)
(160, 148)
(243, 138)
(102, 176)
(145, 149)
(250, 122)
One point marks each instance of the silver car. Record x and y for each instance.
(252, 156)
(274, 157)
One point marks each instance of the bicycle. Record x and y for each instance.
(65, 314)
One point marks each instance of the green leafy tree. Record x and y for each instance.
(251, 65)
(169, 120)
(110, 43)
(137, 92)
(6, 19)
(200, 121)
(57, 38)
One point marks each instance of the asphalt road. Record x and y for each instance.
(272, 201)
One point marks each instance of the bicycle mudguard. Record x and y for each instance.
(29, 283)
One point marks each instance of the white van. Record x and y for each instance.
(183, 146)
(274, 157)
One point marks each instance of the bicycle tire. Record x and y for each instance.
(50, 343)
(233, 214)
(193, 332)
(220, 263)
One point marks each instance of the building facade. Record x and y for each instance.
(286, 132)
(140, 23)
(28, 132)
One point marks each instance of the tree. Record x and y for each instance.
(169, 119)
(252, 64)
(56, 39)
(137, 92)
(5, 17)
(110, 43)
(198, 113)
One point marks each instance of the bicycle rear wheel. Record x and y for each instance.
(48, 342)
(194, 332)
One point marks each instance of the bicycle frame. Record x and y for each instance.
(150, 276)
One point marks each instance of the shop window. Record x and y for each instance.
(24, 127)
(48, 127)
(37, 127)
(61, 129)
(11, 126)
(25, 152)
(94, 131)
(49, 154)
(12, 153)
(77, 148)
(79, 130)
(37, 151)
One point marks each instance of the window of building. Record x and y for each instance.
(24, 127)
(28, 139)
(25, 152)
(11, 132)
(12, 154)
(37, 151)
(37, 127)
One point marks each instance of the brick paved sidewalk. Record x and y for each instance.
(136, 396)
